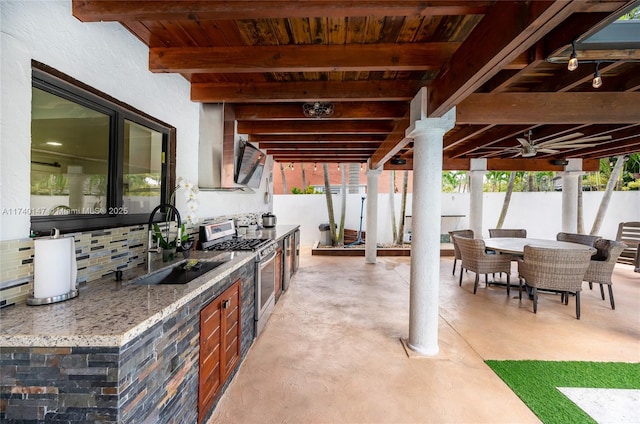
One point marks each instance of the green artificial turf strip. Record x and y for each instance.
(535, 383)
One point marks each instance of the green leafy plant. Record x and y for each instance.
(165, 241)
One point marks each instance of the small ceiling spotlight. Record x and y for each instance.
(573, 59)
(315, 166)
(597, 80)
(559, 162)
(397, 160)
(318, 110)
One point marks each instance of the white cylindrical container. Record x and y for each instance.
(55, 270)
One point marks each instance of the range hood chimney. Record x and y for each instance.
(217, 148)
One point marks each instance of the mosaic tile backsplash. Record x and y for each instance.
(98, 253)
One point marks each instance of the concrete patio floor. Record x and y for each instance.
(331, 352)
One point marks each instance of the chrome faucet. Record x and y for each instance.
(156, 249)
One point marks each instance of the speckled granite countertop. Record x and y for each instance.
(276, 233)
(109, 313)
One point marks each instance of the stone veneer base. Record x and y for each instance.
(152, 378)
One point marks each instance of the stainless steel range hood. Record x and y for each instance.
(217, 149)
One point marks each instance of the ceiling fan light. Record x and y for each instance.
(318, 110)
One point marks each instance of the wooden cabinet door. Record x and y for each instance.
(231, 329)
(220, 330)
(209, 381)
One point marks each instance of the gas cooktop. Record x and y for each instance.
(239, 244)
(222, 236)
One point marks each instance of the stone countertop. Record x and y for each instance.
(107, 312)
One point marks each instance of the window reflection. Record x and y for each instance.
(69, 156)
(142, 167)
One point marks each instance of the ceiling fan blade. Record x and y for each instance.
(548, 151)
(502, 148)
(571, 146)
(524, 143)
(559, 139)
(591, 139)
(578, 141)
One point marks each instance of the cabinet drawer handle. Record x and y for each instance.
(226, 303)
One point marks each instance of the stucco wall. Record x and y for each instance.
(108, 58)
(539, 213)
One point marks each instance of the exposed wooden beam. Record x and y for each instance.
(306, 147)
(298, 153)
(118, 10)
(316, 138)
(395, 141)
(573, 28)
(532, 164)
(319, 127)
(588, 165)
(486, 51)
(327, 157)
(549, 108)
(342, 110)
(624, 147)
(261, 92)
(569, 80)
(461, 135)
(302, 58)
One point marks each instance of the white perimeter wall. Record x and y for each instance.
(539, 213)
(108, 58)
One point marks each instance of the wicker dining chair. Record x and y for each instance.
(508, 232)
(602, 264)
(585, 239)
(456, 249)
(560, 270)
(476, 259)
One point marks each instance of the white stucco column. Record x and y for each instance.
(478, 168)
(425, 243)
(572, 172)
(371, 239)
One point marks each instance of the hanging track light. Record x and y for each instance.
(597, 79)
(573, 59)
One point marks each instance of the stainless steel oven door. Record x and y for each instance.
(265, 290)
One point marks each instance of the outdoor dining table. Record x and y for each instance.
(515, 245)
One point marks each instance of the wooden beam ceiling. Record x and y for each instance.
(117, 10)
(302, 58)
(486, 50)
(342, 111)
(369, 58)
(310, 91)
(549, 108)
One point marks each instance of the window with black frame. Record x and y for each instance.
(95, 163)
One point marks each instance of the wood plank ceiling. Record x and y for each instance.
(369, 58)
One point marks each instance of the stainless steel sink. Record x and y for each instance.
(180, 273)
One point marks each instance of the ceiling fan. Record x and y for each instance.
(529, 148)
